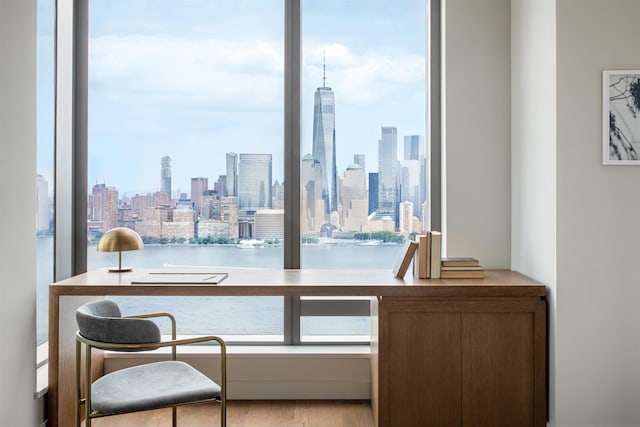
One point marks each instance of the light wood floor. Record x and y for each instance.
(244, 413)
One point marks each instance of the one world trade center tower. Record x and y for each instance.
(324, 143)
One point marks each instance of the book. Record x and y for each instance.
(462, 274)
(422, 257)
(436, 253)
(408, 251)
(460, 267)
(460, 261)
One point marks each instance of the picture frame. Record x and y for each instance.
(621, 117)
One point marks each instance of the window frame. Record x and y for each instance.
(71, 148)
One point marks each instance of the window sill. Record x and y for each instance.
(42, 381)
(42, 370)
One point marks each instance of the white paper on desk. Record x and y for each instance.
(199, 278)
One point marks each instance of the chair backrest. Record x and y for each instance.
(102, 321)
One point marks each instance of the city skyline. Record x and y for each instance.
(192, 81)
(161, 177)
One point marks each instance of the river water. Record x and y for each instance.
(254, 316)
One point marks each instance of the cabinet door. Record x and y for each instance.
(422, 364)
(498, 369)
(471, 363)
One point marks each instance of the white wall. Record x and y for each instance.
(598, 220)
(17, 216)
(574, 222)
(477, 128)
(533, 152)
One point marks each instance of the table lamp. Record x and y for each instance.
(117, 240)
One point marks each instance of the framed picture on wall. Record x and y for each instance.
(621, 117)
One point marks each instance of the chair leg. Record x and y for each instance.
(174, 416)
(78, 402)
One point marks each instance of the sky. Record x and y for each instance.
(195, 79)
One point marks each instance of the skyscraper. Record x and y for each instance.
(353, 198)
(359, 159)
(198, 187)
(103, 207)
(406, 217)
(254, 181)
(324, 143)
(220, 186)
(387, 168)
(312, 208)
(374, 193)
(412, 176)
(413, 147)
(165, 175)
(232, 175)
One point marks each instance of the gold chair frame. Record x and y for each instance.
(173, 343)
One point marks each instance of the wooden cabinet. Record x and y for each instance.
(449, 352)
(461, 361)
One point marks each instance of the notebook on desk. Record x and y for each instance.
(173, 278)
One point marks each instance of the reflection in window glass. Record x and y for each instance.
(45, 161)
(185, 145)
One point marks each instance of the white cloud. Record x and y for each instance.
(364, 78)
(239, 76)
(209, 74)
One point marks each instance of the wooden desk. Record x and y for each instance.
(450, 352)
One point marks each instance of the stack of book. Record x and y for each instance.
(461, 268)
(426, 260)
(426, 251)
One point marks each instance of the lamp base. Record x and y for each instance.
(119, 269)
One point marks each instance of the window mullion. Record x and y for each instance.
(434, 108)
(80, 133)
(292, 132)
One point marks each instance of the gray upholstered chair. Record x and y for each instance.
(154, 385)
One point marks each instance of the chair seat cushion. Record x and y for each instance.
(150, 386)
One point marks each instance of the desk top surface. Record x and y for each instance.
(263, 282)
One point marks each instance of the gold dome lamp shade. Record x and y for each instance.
(120, 239)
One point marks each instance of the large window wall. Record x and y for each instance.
(251, 134)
